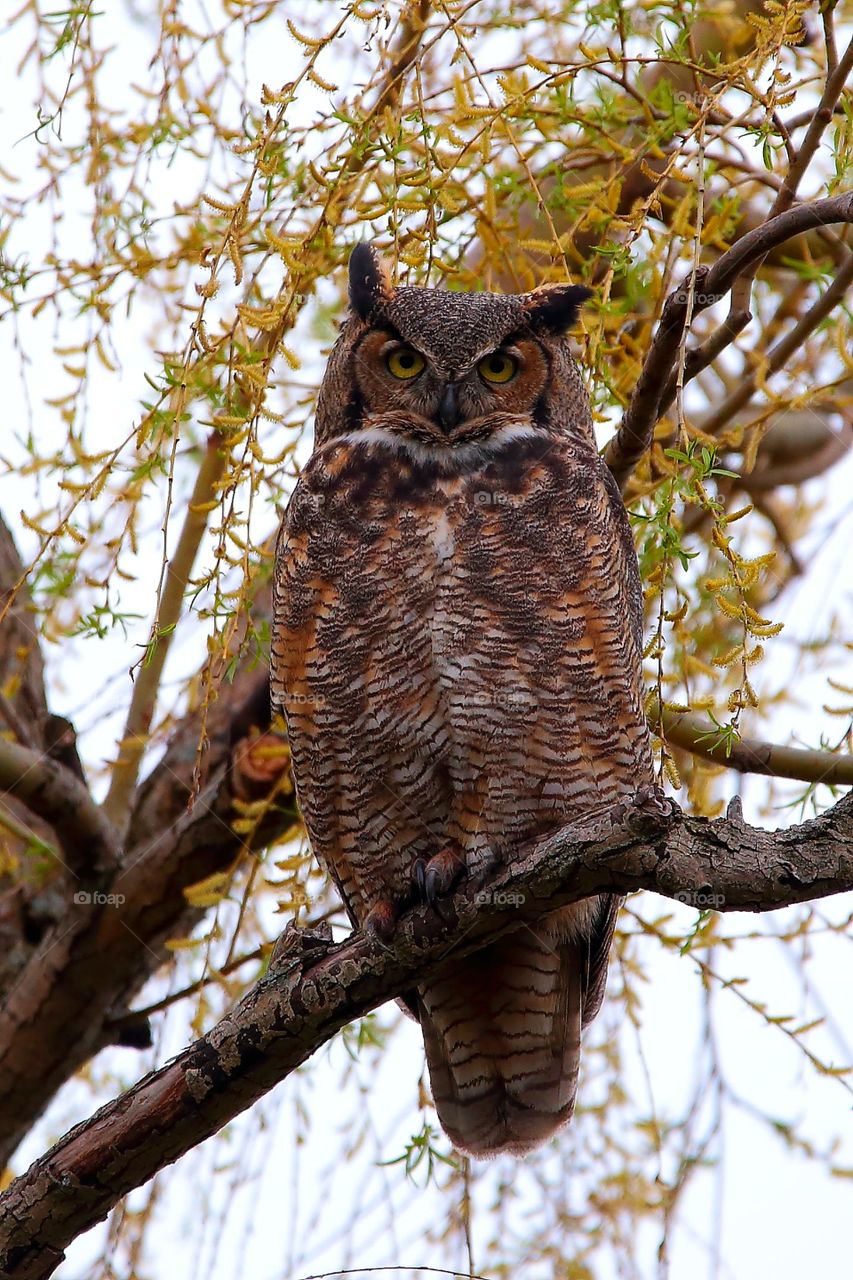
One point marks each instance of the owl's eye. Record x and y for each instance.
(405, 362)
(498, 367)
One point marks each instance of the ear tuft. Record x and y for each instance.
(369, 281)
(555, 307)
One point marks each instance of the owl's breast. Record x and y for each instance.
(499, 566)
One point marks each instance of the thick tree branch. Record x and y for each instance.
(712, 283)
(57, 795)
(313, 989)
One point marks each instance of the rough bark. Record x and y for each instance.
(314, 988)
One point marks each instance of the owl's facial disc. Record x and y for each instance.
(396, 377)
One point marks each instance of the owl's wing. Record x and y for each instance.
(351, 668)
(627, 572)
(626, 557)
(294, 601)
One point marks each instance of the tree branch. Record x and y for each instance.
(712, 283)
(54, 793)
(314, 988)
(749, 755)
(700, 357)
(61, 1010)
(781, 351)
(833, 90)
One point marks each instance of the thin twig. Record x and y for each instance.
(141, 710)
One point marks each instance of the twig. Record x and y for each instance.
(749, 755)
(159, 1006)
(141, 710)
(314, 988)
(779, 354)
(823, 115)
(713, 283)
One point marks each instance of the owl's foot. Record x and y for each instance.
(437, 875)
(381, 919)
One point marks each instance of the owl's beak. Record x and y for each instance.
(448, 408)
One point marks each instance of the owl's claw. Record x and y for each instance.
(438, 876)
(419, 877)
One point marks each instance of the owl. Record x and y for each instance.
(456, 649)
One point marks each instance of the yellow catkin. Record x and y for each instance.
(731, 655)
(671, 771)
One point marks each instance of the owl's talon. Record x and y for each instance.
(419, 877)
(432, 888)
(440, 874)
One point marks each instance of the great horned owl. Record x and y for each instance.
(457, 651)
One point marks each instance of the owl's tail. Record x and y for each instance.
(502, 1032)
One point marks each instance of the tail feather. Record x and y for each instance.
(502, 1031)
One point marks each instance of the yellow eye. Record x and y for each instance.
(405, 362)
(497, 367)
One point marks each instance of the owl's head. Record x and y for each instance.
(448, 368)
